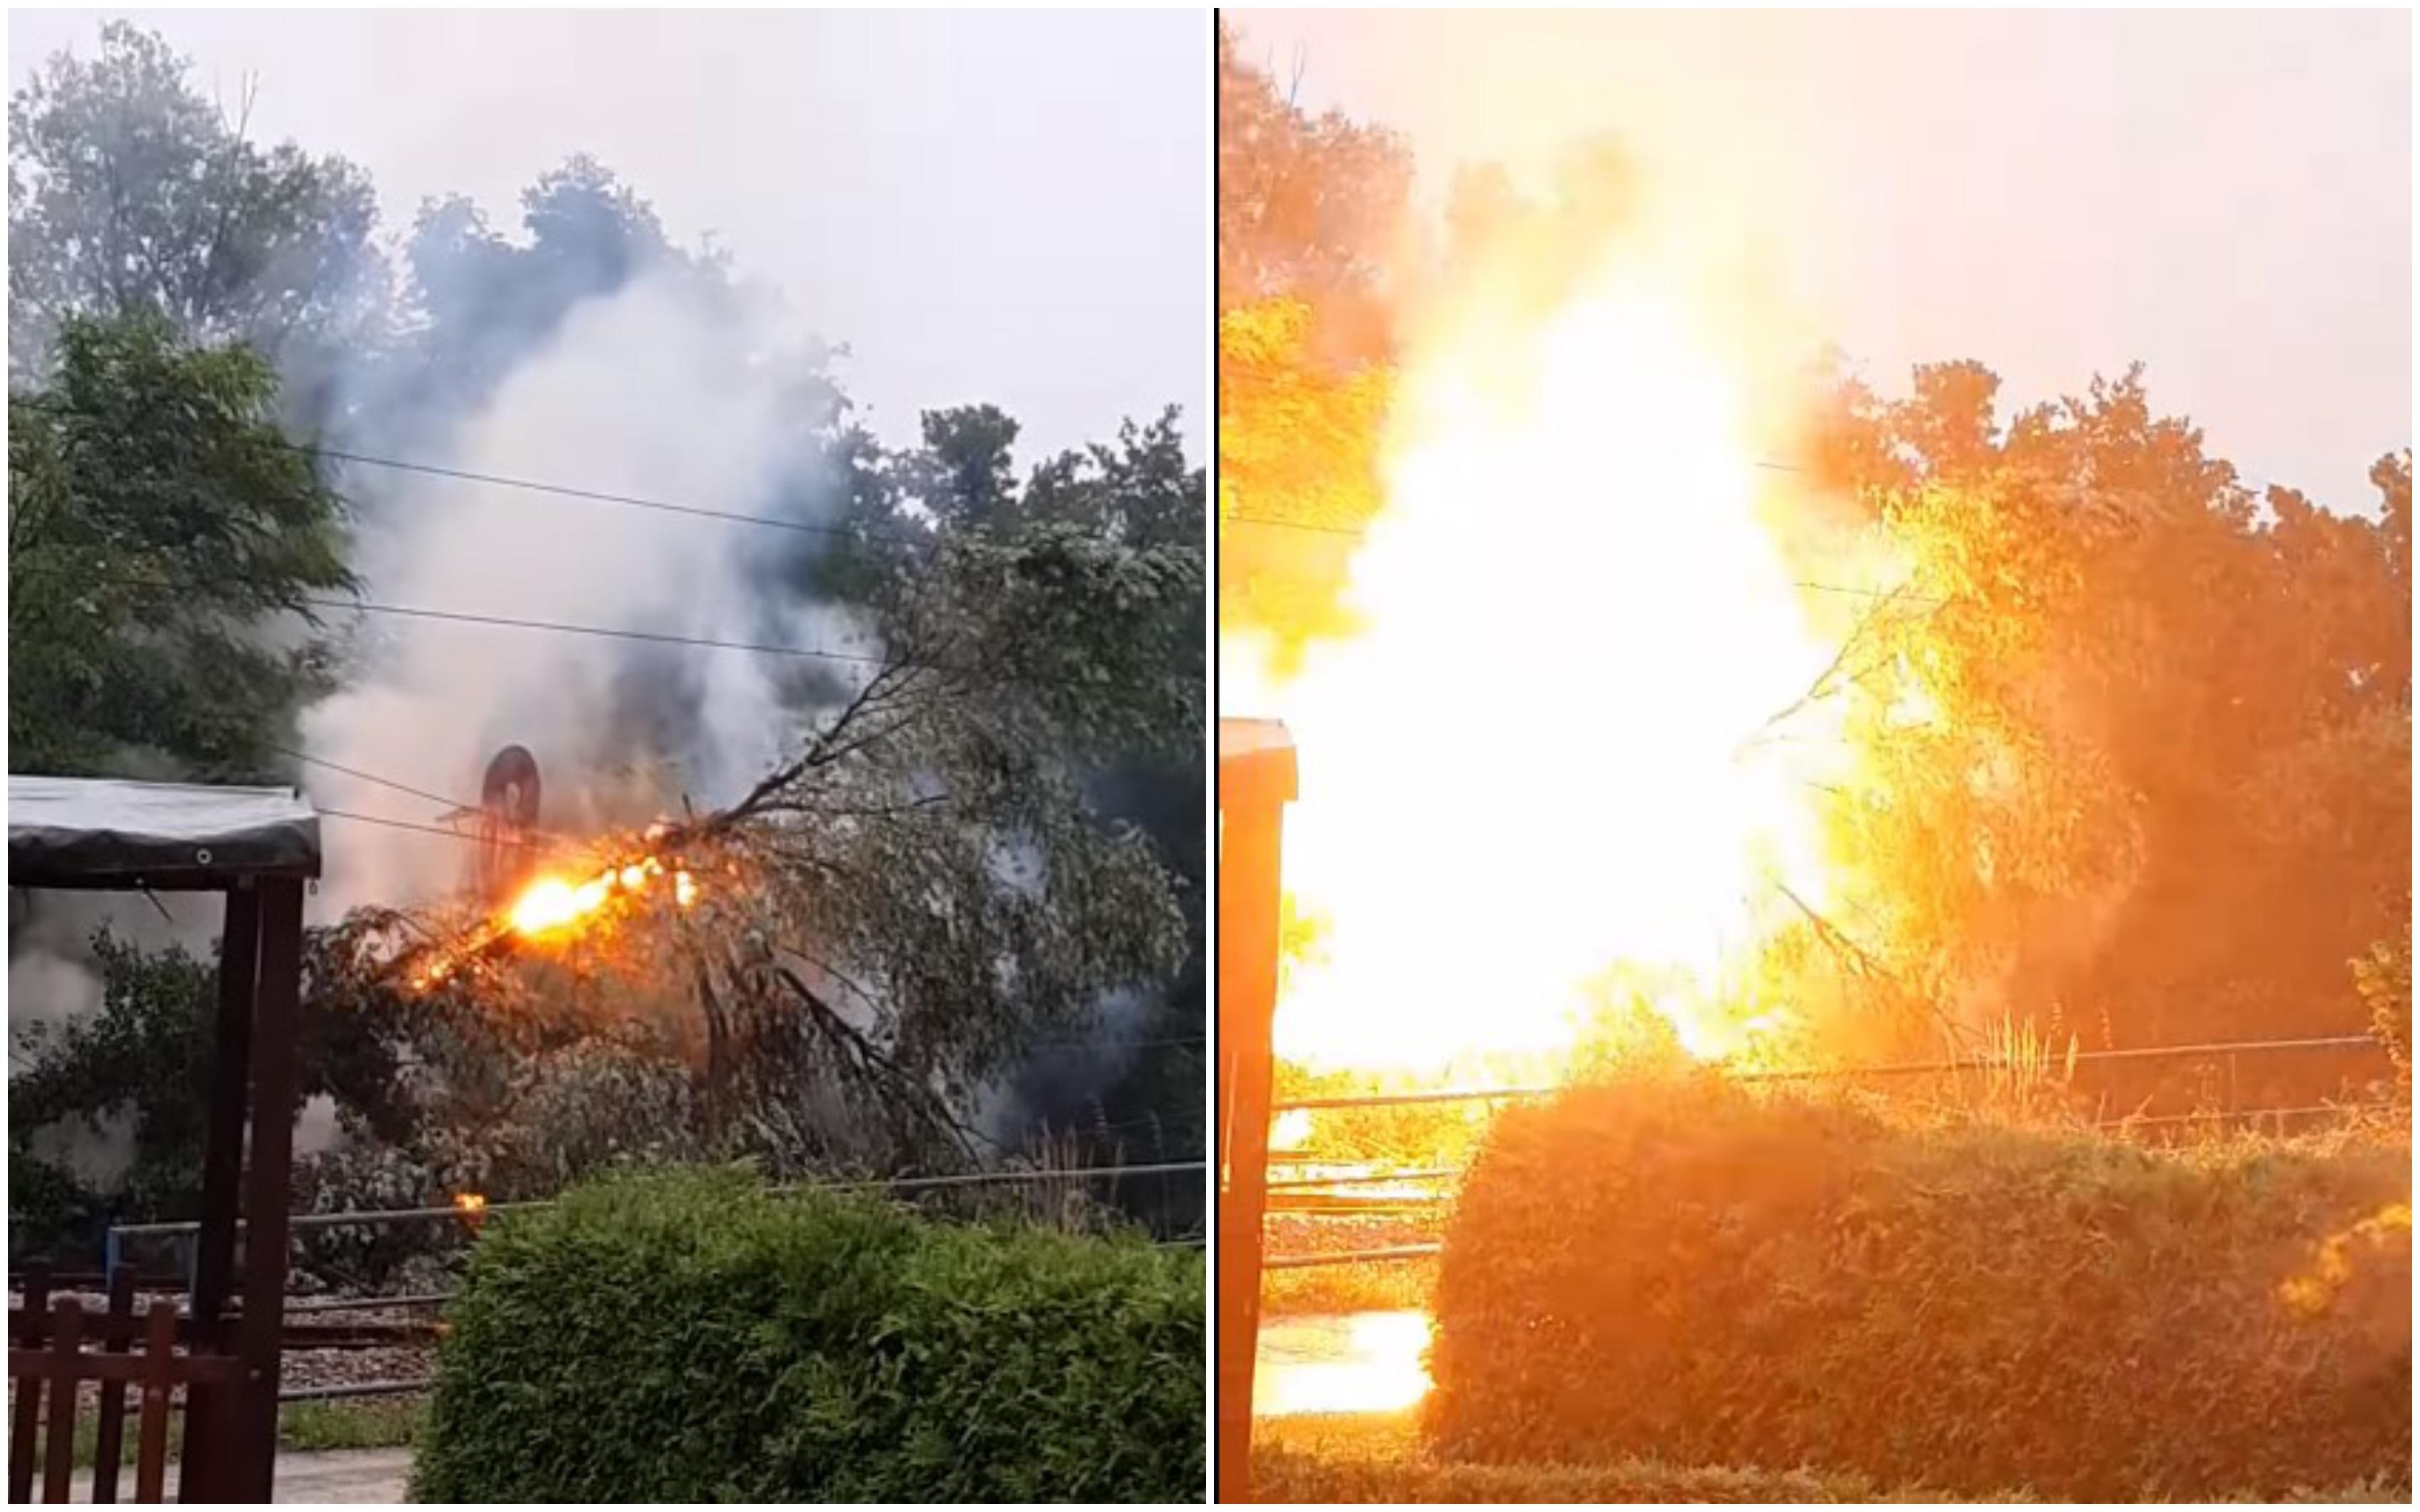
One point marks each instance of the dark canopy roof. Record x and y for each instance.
(90, 833)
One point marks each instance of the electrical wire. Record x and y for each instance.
(605, 632)
(368, 777)
(560, 490)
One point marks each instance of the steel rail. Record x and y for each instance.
(1849, 1073)
(373, 1217)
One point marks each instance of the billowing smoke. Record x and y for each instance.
(653, 392)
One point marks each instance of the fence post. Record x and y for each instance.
(1256, 780)
(118, 1335)
(159, 1380)
(67, 1342)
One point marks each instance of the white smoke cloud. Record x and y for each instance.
(647, 392)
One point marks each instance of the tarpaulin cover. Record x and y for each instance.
(77, 832)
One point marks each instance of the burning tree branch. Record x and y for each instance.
(929, 846)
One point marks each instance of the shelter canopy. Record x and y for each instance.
(105, 834)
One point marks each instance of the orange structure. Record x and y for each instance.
(1256, 780)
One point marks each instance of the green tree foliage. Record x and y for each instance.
(140, 1064)
(131, 193)
(1041, 641)
(164, 548)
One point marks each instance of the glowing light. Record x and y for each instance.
(546, 904)
(1544, 756)
(1358, 1363)
(683, 888)
(1291, 1130)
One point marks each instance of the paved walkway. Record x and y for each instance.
(323, 1476)
(344, 1475)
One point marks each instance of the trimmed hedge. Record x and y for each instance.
(1690, 1272)
(692, 1337)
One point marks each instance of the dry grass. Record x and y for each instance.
(1379, 1458)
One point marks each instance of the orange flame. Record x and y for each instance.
(556, 906)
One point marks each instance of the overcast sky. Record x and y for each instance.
(990, 206)
(2226, 196)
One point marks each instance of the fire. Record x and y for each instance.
(552, 904)
(470, 1202)
(556, 906)
(1541, 771)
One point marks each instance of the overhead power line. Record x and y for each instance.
(559, 490)
(366, 606)
(309, 760)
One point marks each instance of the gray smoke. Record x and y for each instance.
(644, 393)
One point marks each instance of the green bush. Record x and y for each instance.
(1693, 1273)
(687, 1336)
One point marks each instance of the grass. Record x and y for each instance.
(363, 1423)
(1378, 1459)
(1348, 1289)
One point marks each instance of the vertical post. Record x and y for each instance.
(159, 1380)
(66, 1351)
(222, 1156)
(267, 1189)
(209, 1423)
(26, 1420)
(1256, 780)
(118, 1336)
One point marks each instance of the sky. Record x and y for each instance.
(997, 207)
(2224, 196)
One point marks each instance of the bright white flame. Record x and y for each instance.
(1528, 768)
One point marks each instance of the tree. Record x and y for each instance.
(1297, 473)
(167, 554)
(131, 194)
(2136, 740)
(1308, 207)
(141, 1062)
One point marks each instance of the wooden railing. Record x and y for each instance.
(55, 1347)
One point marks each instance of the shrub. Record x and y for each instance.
(687, 1336)
(1691, 1272)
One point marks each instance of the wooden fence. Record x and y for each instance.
(55, 1347)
